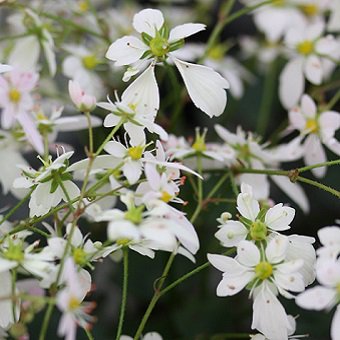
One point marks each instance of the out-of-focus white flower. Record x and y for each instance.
(206, 87)
(319, 128)
(308, 50)
(330, 240)
(70, 303)
(80, 66)
(17, 102)
(26, 51)
(83, 101)
(250, 153)
(326, 295)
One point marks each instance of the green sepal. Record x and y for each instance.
(164, 31)
(54, 186)
(176, 45)
(146, 38)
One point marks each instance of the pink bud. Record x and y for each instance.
(83, 101)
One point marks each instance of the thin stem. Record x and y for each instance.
(46, 321)
(88, 334)
(155, 297)
(200, 190)
(318, 165)
(88, 117)
(227, 20)
(319, 185)
(191, 273)
(333, 101)
(16, 207)
(124, 292)
(61, 183)
(109, 137)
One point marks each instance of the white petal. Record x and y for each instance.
(291, 83)
(293, 190)
(248, 254)
(279, 217)
(313, 70)
(132, 171)
(115, 149)
(277, 248)
(308, 106)
(148, 21)
(316, 298)
(329, 122)
(184, 31)
(247, 205)
(314, 153)
(269, 316)
(231, 285)
(206, 87)
(126, 50)
(329, 236)
(335, 327)
(143, 93)
(231, 233)
(226, 264)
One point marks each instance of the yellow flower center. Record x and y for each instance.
(123, 241)
(166, 197)
(136, 152)
(263, 270)
(41, 116)
(217, 52)
(305, 47)
(312, 126)
(14, 95)
(83, 6)
(337, 288)
(73, 303)
(309, 9)
(90, 61)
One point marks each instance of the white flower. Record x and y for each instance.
(80, 66)
(137, 108)
(250, 153)
(319, 128)
(309, 49)
(205, 86)
(48, 192)
(255, 223)
(26, 51)
(70, 303)
(267, 273)
(325, 296)
(330, 240)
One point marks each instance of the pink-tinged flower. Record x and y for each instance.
(16, 102)
(70, 302)
(83, 101)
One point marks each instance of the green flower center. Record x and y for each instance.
(263, 270)
(14, 252)
(134, 214)
(217, 52)
(258, 231)
(79, 256)
(123, 241)
(159, 46)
